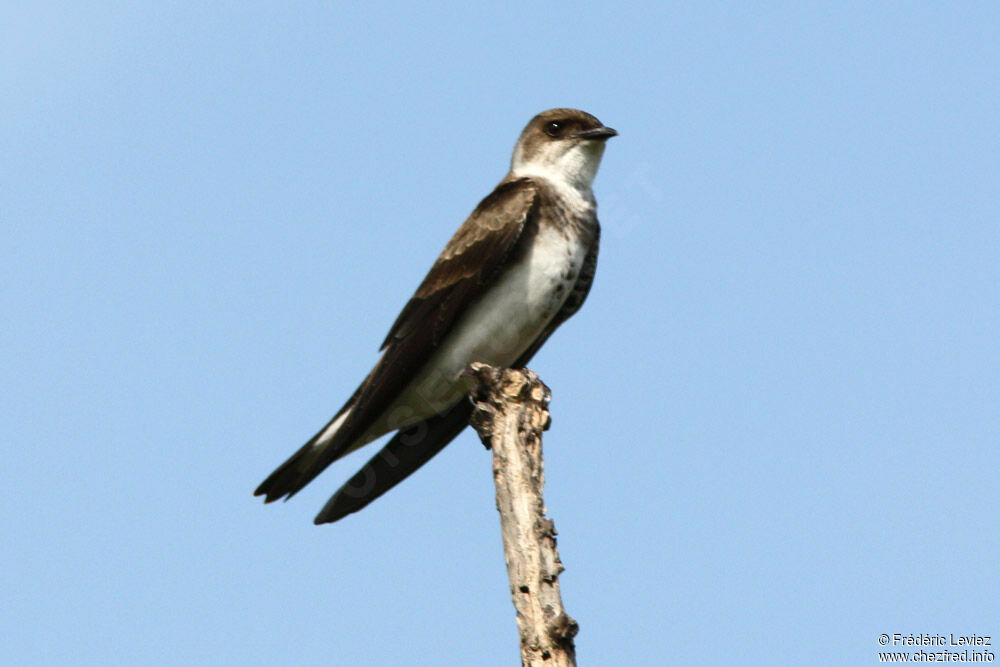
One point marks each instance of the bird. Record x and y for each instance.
(519, 266)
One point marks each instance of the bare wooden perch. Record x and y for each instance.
(510, 413)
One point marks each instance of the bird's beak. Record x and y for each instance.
(597, 133)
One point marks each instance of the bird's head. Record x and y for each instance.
(562, 145)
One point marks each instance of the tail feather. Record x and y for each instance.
(307, 463)
(409, 449)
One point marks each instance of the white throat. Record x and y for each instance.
(568, 166)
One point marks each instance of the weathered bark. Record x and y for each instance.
(511, 411)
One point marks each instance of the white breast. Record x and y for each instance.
(505, 322)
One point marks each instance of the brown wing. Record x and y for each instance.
(470, 261)
(468, 265)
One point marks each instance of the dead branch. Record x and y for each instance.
(511, 411)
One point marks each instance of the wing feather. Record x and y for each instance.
(467, 266)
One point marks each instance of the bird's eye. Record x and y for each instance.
(554, 129)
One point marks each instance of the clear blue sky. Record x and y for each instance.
(775, 422)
